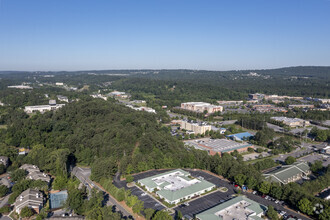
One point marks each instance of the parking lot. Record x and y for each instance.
(314, 157)
(148, 201)
(203, 203)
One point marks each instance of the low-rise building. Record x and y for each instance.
(230, 102)
(218, 146)
(288, 173)
(292, 122)
(201, 107)
(323, 148)
(256, 96)
(43, 108)
(59, 84)
(4, 160)
(197, 128)
(34, 173)
(176, 186)
(143, 109)
(239, 207)
(37, 175)
(20, 87)
(300, 106)
(268, 108)
(117, 94)
(99, 96)
(29, 198)
(62, 98)
(57, 199)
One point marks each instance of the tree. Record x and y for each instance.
(26, 212)
(3, 190)
(129, 179)
(276, 191)
(271, 213)
(251, 182)
(60, 183)
(138, 207)
(264, 187)
(2, 169)
(162, 215)
(290, 160)
(240, 179)
(250, 149)
(178, 215)
(75, 199)
(317, 166)
(149, 213)
(18, 175)
(305, 206)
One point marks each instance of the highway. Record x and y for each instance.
(83, 175)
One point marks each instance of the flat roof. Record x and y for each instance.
(217, 145)
(239, 207)
(175, 184)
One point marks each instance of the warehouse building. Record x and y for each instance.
(43, 108)
(218, 146)
(176, 186)
(201, 107)
(239, 207)
(288, 173)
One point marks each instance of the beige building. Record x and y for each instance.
(195, 127)
(292, 122)
(201, 107)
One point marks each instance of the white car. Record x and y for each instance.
(186, 204)
(143, 194)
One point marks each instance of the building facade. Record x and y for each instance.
(197, 128)
(201, 107)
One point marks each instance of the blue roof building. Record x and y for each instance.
(240, 136)
(58, 199)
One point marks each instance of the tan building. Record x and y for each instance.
(201, 107)
(292, 122)
(195, 127)
(230, 102)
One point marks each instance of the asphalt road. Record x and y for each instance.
(83, 175)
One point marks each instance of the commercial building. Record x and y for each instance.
(43, 108)
(59, 84)
(4, 160)
(176, 186)
(323, 148)
(288, 173)
(238, 208)
(201, 107)
(99, 96)
(268, 108)
(197, 128)
(29, 198)
(300, 106)
(292, 122)
(230, 102)
(62, 98)
(218, 146)
(256, 96)
(118, 94)
(240, 136)
(20, 87)
(144, 109)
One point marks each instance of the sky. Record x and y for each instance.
(52, 35)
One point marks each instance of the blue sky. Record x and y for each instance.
(193, 34)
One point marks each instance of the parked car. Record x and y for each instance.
(186, 204)
(267, 197)
(254, 192)
(143, 194)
